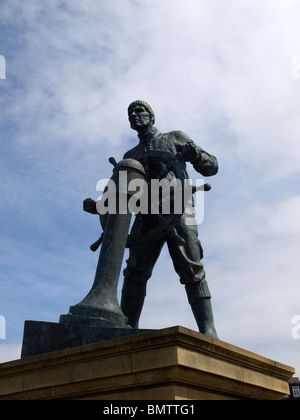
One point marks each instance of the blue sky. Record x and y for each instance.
(223, 72)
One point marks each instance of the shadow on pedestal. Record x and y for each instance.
(46, 337)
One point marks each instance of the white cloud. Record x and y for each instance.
(285, 218)
(10, 350)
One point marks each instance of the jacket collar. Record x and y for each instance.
(148, 136)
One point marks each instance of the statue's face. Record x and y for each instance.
(139, 117)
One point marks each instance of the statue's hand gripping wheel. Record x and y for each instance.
(165, 223)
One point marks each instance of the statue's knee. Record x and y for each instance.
(197, 291)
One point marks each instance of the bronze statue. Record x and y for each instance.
(181, 235)
(158, 160)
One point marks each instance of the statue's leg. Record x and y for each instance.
(138, 271)
(187, 263)
(200, 300)
(132, 301)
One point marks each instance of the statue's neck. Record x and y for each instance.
(147, 133)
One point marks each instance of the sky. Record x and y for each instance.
(227, 74)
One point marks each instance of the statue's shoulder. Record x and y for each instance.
(132, 152)
(179, 137)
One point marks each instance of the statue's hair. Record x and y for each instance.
(146, 105)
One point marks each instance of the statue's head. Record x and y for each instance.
(140, 115)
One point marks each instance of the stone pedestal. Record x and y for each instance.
(169, 364)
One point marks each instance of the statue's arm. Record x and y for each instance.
(202, 161)
(130, 154)
(89, 205)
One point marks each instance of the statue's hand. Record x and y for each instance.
(89, 205)
(189, 152)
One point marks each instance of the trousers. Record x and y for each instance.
(186, 257)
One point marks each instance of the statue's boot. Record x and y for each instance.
(200, 301)
(132, 301)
